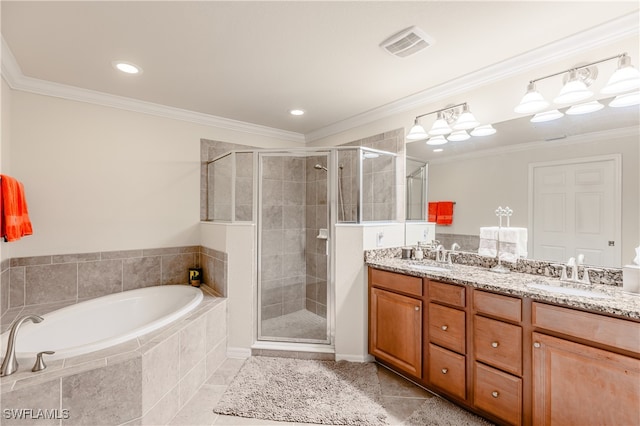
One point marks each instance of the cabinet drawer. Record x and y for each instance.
(498, 344)
(498, 393)
(505, 307)
(447, 327)
(447, 293)
(396, 282)
(447, 371)
(613, 332)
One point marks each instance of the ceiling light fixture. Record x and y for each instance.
(541, 117)
(296, 112)
(576, 87)
(457, 116)
(585, 108)
(127, 67)
(438, 150)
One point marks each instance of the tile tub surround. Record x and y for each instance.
(68, 278)
(620, 303)
(143, 381)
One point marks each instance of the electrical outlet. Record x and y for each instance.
(379, 238)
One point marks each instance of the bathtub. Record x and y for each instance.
(105, 321)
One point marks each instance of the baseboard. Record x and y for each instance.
(238, 353)
(354, 358)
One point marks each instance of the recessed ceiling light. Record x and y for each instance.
(127, 67)
(438, 150)
(296, 112)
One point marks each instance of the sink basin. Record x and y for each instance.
(429, 268)
(570, 291)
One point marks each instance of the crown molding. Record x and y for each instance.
(602, 35)
(543, 144)
(14, 77)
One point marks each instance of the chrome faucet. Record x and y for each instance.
(10, 363)
(454, 247)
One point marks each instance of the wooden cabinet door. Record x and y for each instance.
(574, 384)
(395, 330)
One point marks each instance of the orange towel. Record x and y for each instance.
(433, 212)
(445, 213)
(14, 216)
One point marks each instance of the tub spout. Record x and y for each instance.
(10, 363)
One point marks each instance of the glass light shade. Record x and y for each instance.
(585, 108)
(466, 120)
(575, 90)
(417, 132)
(531, 102)
(458, 135)
(541, 117)
(625, 78)
(628, 99)
(484, 130)
(440, 127)
(437, 140)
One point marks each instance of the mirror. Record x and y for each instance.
(416, 184)
(483, 173)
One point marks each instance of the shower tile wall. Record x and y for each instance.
(383, 179)
(220, 193)
(316, 218)
(208, 151)
(283, 236)
(68, 278)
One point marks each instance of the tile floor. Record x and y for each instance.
(399, 397)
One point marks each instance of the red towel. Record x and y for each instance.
(14, 216)
(433, 212)
(445, 213)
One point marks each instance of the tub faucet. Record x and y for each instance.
(10, 363)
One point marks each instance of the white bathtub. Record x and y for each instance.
(103, 322)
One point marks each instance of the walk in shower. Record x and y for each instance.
(296, 197)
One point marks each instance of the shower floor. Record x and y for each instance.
(301, 324)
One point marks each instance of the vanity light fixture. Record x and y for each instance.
(484, 130)
(628, 99)
(576, 85)
(457, 119)
(458, 135)
(541, 117)
(585, 108)
(437, 140)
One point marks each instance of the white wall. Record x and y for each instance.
(99, 178)
(480, 184)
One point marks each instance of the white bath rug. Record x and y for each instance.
(439, 412)
(305, 391)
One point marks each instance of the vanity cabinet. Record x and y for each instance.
(510, 359)
(585, 368)
(498, 355)
(395, 320)
(447, 338)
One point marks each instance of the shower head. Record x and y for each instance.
(320, 167)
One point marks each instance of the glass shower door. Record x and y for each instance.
(293, 247)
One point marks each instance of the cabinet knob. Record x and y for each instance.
(536, 345)
(495, 344)
(495, 394)
(444, 327)
(417, 308)
(445, 370)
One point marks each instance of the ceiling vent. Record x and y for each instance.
(407, 42)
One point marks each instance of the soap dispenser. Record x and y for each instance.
(418, 254)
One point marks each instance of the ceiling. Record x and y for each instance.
(254, 61)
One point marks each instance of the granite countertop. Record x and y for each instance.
(593, 297)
